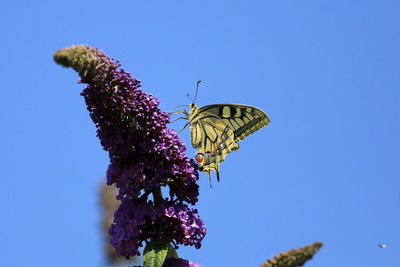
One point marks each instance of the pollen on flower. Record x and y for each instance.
(170, 212)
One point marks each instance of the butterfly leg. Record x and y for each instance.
(178, 107)
(187, 124)
(179, 112)
(178, 119)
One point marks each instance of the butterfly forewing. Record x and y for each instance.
(242, 119)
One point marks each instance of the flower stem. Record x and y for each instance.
(157, 196)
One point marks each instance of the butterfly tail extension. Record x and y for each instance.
(209, 176)
(218, 157)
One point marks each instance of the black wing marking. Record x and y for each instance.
(242, 119)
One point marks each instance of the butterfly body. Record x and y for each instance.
(217, 129)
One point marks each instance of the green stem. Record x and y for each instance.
(157, 196)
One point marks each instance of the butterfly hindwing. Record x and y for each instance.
(217, 141)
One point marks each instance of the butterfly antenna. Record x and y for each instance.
(188, 96)
(197, 89)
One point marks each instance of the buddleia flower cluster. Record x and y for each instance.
(145, 155)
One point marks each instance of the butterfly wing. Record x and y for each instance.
(214, 141)
(218, 129)
(242, 119)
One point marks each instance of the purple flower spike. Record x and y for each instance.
(144, 154)
(134, 223)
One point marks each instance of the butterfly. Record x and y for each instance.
(216, 130)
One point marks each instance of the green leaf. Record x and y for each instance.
(154, 255)
(171, 252)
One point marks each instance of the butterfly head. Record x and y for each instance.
(194, 110)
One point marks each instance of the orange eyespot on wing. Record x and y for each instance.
(199, 158)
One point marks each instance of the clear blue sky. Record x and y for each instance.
(325, 169)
